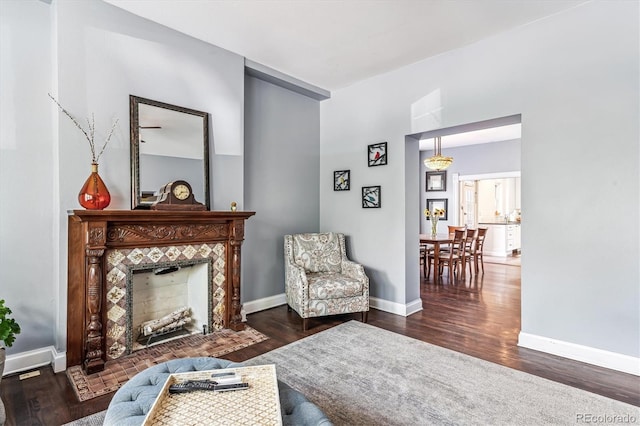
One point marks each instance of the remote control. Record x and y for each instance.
(191, 386)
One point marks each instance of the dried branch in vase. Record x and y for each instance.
(89, 133)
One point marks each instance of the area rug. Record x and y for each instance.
(96, 419)
(117, 372)
(363, 375)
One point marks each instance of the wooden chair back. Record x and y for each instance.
(482, 233)
(456, 228)
(459, 242)
(472, 235)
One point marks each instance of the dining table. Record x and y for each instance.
(436, 241)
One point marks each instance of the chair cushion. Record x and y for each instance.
(317, 252)
(332, 286)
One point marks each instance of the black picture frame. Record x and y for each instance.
(377, 154)
(342, 180)
(439, 203)
(371, 197)
(436, 181)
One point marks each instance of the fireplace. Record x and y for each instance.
(107, 248)
(169, 301)
(124, 265)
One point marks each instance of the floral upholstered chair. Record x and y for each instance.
(320, 280)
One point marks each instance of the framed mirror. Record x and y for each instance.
(168, 143)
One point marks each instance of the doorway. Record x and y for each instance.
(490, 156)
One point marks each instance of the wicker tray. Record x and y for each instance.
(258, 405)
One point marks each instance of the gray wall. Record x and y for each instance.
(28, 225)
(281, 180)
(574, 78)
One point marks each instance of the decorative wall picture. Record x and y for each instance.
(371, 197)
(436, 181)
(377, 154)
(438, 203)
(341, 180)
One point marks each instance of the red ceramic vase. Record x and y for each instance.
(94, 194)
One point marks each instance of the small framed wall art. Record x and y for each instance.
(439, 203)
(436, 181)
(377, 154)
(371, 197)
(341, 180)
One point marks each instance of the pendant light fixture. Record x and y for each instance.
(438, 161)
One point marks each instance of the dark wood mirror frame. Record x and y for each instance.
(137, 200)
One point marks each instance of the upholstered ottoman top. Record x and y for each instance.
(132, 402)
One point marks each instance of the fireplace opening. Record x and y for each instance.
(168, 301)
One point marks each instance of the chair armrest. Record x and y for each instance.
(296, 277)
(355, 271)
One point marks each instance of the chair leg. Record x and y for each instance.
(365, 316)
(424, 265)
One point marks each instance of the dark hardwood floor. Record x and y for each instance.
(479, 316)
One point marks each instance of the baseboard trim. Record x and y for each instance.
(36, 358)
(587, 354)
(375, 303)
(59, 362)
(264, 303)
(396, 308)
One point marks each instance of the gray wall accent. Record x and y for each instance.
(493, 157)
(282, 161)
(578, 92)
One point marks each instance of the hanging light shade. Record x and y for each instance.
(438, 161)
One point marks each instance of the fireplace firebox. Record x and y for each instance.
(105, 248)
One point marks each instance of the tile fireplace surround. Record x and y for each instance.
(106, 246)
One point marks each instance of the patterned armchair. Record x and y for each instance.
(320, 280)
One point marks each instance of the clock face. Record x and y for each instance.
(181, 192)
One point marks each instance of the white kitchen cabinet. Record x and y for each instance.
(501, 239)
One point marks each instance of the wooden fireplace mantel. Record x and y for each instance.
(92, 232)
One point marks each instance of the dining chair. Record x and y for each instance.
(470, 242)
(452, 229)
(476, 254)
(454, 257)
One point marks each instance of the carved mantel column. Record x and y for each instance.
(93, 361)
(237, 236)
(94, 342)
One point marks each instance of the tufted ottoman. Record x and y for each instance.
(132, 402)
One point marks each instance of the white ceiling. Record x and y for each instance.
(334, 43)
